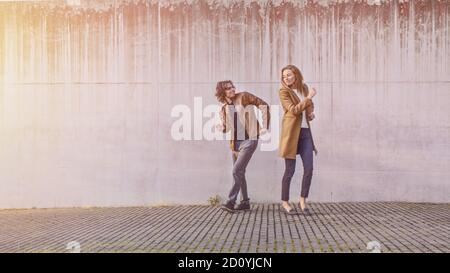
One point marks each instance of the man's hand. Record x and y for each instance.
(220, 128)
(264, 135)
(311, 116)
(263, 131)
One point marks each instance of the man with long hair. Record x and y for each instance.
(238, 116)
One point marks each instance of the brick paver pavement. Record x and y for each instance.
(333, 227)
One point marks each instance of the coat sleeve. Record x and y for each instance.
(309, 109)
(251, 99)
(290, 106)
(223, 119)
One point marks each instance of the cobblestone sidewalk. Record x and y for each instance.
(333, 227)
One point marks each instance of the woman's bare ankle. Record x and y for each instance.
(302, 203)
(286, 205)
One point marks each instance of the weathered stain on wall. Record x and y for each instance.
(203, 40)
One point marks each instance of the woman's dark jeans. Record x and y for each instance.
(305, 150)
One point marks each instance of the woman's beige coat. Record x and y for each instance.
(290, 126)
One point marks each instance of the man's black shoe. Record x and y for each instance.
(228, 207)
(243, 206)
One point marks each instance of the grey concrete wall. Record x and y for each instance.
(87, 93)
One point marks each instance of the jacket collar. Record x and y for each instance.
(294, 96)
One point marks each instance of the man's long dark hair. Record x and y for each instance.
(220, 90)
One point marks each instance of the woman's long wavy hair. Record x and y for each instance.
(298, 84)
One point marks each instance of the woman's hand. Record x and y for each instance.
(311, 92)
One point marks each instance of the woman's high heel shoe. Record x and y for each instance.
(288, 212)
(306, 212)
